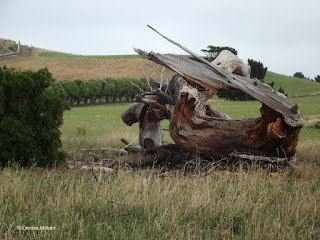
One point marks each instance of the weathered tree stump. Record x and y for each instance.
(197, 127)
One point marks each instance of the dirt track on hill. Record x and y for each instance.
(86, 68)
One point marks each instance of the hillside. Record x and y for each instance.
(293, 86)
(69, 67)
(7, 46)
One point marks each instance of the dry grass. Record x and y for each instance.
(132, 205)
(308, 151)
(311, 120)
(141, 205)
(85, 68)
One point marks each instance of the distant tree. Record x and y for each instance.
(84, 92)
(317, 78)
(281, 90)
(212, 52)
(299, 75)
(72, 90)
(257, 69)
(95, 90)
(271, 84)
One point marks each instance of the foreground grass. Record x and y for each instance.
(246, 205)
(141, 205)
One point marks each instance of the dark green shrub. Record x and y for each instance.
(12, 48)
(299, 75)
(31, 109)
(257, 69)
(281, 90)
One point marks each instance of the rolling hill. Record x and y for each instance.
(7, 46)
(293, 86)
(69, 67)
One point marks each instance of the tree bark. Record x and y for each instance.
(195, 126)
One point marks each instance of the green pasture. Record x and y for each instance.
(128, 205)
(293, 86)
(101, 125)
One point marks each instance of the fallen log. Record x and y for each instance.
(195, 126)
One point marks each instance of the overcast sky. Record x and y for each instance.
(283, 34)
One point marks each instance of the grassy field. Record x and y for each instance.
(101, 125)
(293, 86)
(245, 205)
(141, 205)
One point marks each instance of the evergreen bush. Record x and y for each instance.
(31, 110)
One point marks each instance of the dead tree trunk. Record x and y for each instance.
(195, 126)
(150, 134)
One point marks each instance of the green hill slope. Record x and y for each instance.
(293, 86)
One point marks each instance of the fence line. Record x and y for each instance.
(11, 54)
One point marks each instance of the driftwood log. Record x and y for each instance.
(195, 126)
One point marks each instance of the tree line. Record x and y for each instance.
(301, 75)
(97, 91)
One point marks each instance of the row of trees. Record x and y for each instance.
(101, 90)
(301, 75)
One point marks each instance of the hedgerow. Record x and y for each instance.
(97, 91)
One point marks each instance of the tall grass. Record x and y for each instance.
(142, 205)
(245, 205)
